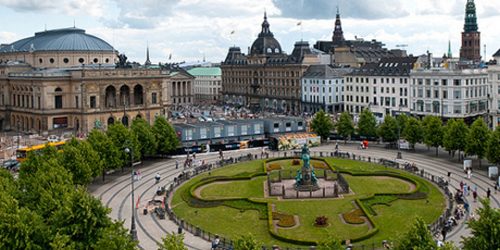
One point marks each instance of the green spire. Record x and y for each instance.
(449, 49)
(470, 17)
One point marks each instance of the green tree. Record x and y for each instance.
(331, 243)
(388, 130)
(345, 126)
(417, 238)
(493, 147)
(455, 136)
(165, 136)
(123, 138)
(413, 133)
(402, 120)
(477, 139)
(367, 124)
(485, 230)
(81, 160)
(109, 154)
(433, 132)
(115, 237)
(146, 137)
(322, 125)
(247, 242)
(172, 241)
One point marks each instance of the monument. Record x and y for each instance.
(306, 177)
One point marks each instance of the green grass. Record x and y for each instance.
(245, 213)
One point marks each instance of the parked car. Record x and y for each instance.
(53, 138)
(8, 164)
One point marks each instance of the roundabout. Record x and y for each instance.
(115, 193)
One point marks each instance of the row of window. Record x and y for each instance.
(262, 73)
(444, 82)
(315, 89)
(66, 60)
(316, 99)
(374, 80)
(330, 82)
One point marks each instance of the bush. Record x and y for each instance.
(354, 217)
(320, 165)
(284, 220)
(321, 221)
(295, 162)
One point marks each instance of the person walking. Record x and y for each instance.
(474, 195)
(176, 164)
(488, 193)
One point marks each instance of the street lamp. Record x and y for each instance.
(133, 230)
(399, 156)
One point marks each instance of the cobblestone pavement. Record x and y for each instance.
(115, 191)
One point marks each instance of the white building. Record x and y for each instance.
(383, 87)
(494, 82)
(449, 92)
(322, 88)
(207, 84)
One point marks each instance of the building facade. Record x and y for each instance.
(494, 84)
(266, 78)
(323, 88)
(47, 88)
(450, 93)
(207, 84)
(383, 87)
(182, 91)
(471, 37)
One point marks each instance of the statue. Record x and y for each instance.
(306, 179)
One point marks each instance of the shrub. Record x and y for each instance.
(284, 220)
(295, 162)
(354, 217)
(320, 165)
(321, 221)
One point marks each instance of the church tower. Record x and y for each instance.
(338, 34)
(471, 37)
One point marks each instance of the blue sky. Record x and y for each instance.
(190, 29)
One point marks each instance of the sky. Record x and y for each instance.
(190, 30)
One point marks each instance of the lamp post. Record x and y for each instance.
(18, 134)
(133, 230)
(399, 156)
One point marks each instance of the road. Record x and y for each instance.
(115, 192)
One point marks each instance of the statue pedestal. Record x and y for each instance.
(306, 183)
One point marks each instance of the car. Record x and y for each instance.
(53, 138)
(8, 164)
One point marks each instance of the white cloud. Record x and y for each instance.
(93, 8)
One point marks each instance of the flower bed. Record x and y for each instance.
(284, 220)
(273, 166)
(295, 162)
(354, 217)
(321, 221)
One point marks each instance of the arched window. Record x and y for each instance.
(125, 95)
(138, 95)
(58, 98)
(110, 97)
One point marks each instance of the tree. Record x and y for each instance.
(367, 124)
(115, 237)
(165, 136)
(433, 132)
(106, 149)
(417, 238)
(413, 132)
(172, 241)
(123, 138)
(81, 160)
(388, 130)
(493, 147)
(322, 125)
(146, 137)
(477, 139)
(455, 135)
(485, 230)
(345, 126)
(247, 242)
(331, 243)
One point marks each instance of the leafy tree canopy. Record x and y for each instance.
(172, 241)
(367, 124)
(485, 230)
(322, 124)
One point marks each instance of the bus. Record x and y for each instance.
(22, 153)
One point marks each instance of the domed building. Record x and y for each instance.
(266, 78)
(59, 48)
(66, 80)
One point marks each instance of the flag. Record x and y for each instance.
(232, 32)
(299, 23)
(170, 56)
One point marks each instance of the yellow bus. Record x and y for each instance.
(22, 153)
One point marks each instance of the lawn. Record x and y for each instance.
(391, 219)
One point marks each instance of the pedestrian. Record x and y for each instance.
(461, 186)
(474, 195)
(215, 242)
(469, 173)
(157, 177)
(465, 189)
(176, 164)
(443, 233)
(468, 190)
(488, 193)
(139, 176)
(449, 177)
